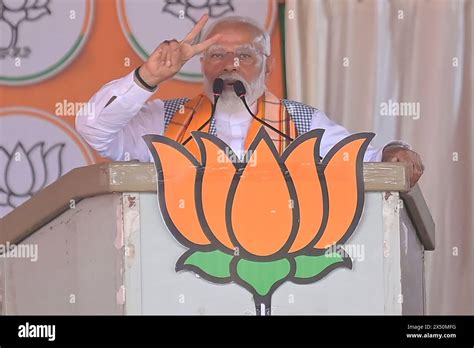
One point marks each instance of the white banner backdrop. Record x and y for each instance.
(363, 62)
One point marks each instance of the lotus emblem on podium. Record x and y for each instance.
(263, 224)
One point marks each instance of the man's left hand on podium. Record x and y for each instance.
(401, 154)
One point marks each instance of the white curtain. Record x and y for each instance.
(349, 58)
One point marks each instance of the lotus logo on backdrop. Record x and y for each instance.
(34, 165)
(141, 21)
(13, 13)
(261, 225)
(43, 148)
(193, 10)
(31, 47)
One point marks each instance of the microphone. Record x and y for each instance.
(217, 88)
(239, 89)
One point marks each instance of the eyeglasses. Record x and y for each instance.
(242, 55)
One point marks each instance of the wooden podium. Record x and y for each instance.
(103, 248)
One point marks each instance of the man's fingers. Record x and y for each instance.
(414, 179)
(419, 168)
(196, 30)
(415, 176)
(420, 163)
(157, 53)
(165, 55)
(201, 47)
(413, 160)
(175, 54)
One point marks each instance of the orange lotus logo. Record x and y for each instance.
(264, 224)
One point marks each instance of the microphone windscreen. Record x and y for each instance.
(239, 88)
(218, 86)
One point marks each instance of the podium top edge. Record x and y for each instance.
(134, 176)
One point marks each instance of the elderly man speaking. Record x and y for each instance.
(234, 49)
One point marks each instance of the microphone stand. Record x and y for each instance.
(218, 87)
(239, 89)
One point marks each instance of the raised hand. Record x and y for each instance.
(169, 57)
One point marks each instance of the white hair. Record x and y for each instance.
(264, 35)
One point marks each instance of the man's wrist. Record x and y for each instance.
(140, 80)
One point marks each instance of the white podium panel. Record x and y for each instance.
(112, 254)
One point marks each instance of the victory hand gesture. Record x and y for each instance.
(169, 57)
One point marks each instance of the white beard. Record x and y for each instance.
(229, 103)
